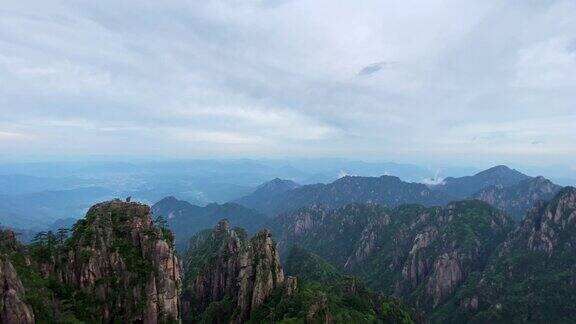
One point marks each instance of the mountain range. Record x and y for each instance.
(502, 187)
(466, 262)
(495, 247)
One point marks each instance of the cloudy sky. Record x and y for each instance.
(461, 81)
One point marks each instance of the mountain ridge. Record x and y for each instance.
(392, 191)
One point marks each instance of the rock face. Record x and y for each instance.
(420, 254)
(118, 256)
(532, 276)
(517, 199)
(13, 309)
(223, 266)
(548, 228)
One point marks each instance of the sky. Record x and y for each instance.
(459, 81)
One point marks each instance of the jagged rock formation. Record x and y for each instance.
(232, 279)
(316, 292)
(123, 262)
(515, 200)
(13, 308)
(420, 254)
(225, 270)
(532, 276)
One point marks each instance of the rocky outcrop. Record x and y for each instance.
(545, 224)
(422, 255)
(447, 275)
(532, 275)
(447, 247)
(224, 265)
(13, 308)
(318, 311)
(118, 256)
(516, 200)
(368, 243)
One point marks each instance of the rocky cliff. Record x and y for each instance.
(515, 200)
(13, 306)
(532, 276)
(228, 274)
(233, 279)
(122, 263)
(419, 254)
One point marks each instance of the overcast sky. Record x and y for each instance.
(453, 81)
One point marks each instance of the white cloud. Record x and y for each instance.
(10, 136)
(460, 79)
(547, 64)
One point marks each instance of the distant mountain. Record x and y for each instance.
(419, 254)
(464, 187)
(516, 199)
(532, 276)
(385, 190)
(186, 219)
(267, 193)
(502, 187)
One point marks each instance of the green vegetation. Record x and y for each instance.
(323, 293)
(107, 229)
(309, 267)
(46, 303)
(203, 251)
(523, 282)
(377, 243)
